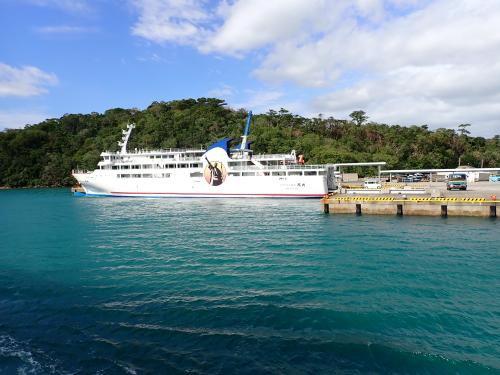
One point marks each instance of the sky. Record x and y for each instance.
(407, 62)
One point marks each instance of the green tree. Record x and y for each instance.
(358, 117)
(463, 129)
(43, 154)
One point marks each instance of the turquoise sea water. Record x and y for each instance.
(123, 286)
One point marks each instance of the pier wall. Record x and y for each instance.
(419, 207)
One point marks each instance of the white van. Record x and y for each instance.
(372, 183)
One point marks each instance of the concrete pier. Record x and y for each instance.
(444, 207)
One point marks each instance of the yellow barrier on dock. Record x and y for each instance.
(393, 199)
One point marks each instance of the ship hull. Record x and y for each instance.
(233, 187)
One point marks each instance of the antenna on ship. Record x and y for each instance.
(245, 134)
(125, 137)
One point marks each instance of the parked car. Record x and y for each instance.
(372, 184)
(457, 181)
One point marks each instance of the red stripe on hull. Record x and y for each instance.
(219, 194)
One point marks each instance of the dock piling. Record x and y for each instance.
(358, 209)
(493, 211)
(444, 210)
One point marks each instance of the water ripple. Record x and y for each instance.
(254, 286)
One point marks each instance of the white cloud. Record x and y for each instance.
(260, 100)
(24, 81)
(253, 24)
(18, 119)
(224, 91)
(155, 58)
(440, 95)
(72, 6)
(403, 61)
(64, 29)
(170, 20)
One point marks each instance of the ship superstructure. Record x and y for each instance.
(218, 171)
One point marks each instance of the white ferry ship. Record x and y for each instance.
(218, 171)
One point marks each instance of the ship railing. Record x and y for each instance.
(307, 166)
(79, 171)
(278, 167)
(188, 159)
(273, 156)
(154, 152)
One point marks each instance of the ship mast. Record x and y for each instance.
(125, 137)
(243, 146)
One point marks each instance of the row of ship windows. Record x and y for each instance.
(244, 163)
(144, 175)
(199, 165)
(173, 156)
(278, 173)
(179, 165)
(154, 156)
(234, 174)
(151, 166)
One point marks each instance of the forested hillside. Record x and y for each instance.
(44, 154)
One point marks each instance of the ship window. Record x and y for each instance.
(152, 157)
(234, 174)
(147, 175)
(147, 166)
(136, 166)
(279, 173)
(125, 175)
(248, 174)
(196, 174)
(295, 173)
(125, 167)
(136, 176)
(310, 173)
(166, 175)
(321, 173)
(195, 165)
(234, 163)
(168, 166)
(267, 173)
(158, 166)
(114, 167)
(158, 156)
(182, 166)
